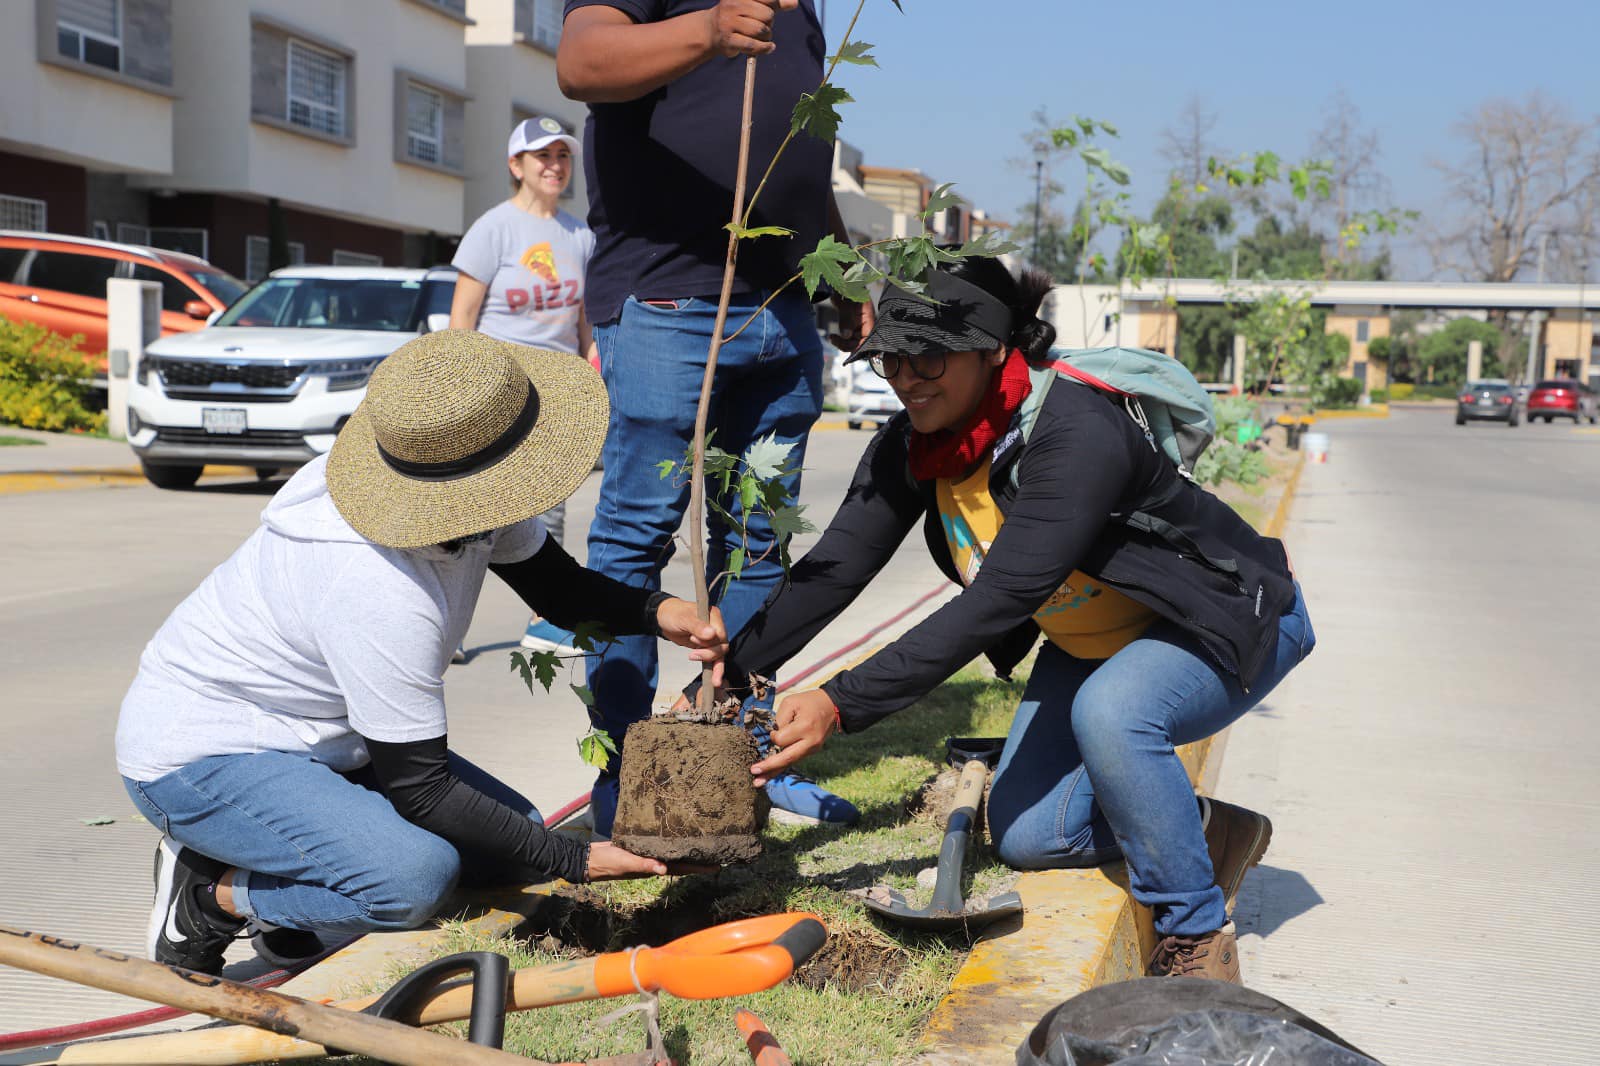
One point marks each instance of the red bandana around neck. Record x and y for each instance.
(950, 453)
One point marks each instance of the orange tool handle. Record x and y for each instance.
(758, 1040)
(728, 960)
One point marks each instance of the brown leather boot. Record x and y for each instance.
(1215, 955)
(1236, 839)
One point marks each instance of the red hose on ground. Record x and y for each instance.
(121, 1023)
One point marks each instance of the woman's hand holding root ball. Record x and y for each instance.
(804, 721)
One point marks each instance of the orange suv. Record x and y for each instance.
(60, 283)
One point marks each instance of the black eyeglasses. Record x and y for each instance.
(928, 366)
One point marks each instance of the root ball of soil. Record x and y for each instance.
(686, 793)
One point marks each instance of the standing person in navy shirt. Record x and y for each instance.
(664, 83)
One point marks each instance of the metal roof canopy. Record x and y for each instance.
(1468, 295)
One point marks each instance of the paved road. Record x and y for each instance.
(89, 576)
(1430, 769)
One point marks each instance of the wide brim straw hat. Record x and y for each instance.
(461, 434)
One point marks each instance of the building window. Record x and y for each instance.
(424, 124)
(539, 21)
(255, 257)
(90, 31)
(343, 258)
(316, 88)
(190, 240)
(1361, 331)
(20, 212)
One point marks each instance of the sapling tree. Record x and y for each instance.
(756, 479)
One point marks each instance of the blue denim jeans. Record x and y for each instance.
(316, 849)
(1089, 772)
(653, 358)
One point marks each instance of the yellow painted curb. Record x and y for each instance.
(94, 477)
(829, 425)
(1377, 410)
(1080, 929)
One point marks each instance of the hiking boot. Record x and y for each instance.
(285, 948)
(183, 931)
(1214, 955)
(1236, 839)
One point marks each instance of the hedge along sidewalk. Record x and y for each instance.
(1080, 929)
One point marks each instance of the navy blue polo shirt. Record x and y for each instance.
(660, 170)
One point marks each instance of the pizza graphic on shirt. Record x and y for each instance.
(542, 261)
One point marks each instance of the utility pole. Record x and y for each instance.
(1038, 193)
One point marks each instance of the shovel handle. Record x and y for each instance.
(969, 793)
(284, 1015)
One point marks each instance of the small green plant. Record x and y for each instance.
(44, 381)
(540, 667)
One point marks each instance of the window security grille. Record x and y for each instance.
(316, 89)
(21, 212)
(424, 124)
(342, 258)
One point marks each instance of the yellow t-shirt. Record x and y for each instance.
(1084, 618)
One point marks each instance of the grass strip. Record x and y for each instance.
(866, 996)
(7, 440)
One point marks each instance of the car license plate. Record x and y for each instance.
(223, 419)
(1484, 401)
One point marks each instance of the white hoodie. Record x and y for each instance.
(306, 639)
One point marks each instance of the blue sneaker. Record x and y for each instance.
(542, 635)
(798, 800)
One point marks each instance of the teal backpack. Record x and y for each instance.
(1157, 391)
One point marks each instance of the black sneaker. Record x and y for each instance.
(285, 948)
(181, 933)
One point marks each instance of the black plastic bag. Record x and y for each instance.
(1182, 1022)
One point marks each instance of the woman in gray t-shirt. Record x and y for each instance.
(522, 265)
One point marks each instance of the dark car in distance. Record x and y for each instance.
(1563, 398)
(1486, 401)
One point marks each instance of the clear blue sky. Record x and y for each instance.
(958, 80)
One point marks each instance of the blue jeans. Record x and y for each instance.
(653, 358)
(315, 849)
(1089, 772)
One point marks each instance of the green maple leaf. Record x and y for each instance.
(537, 666)
(858, 53)
(747, 232)
(666, 466)
(596, 748)
(736, 562)
(583, 693)
(766, 456)
(587, 636)
(817, 112)
(941, 198)
(749, 493)
(989, 244)
(826, 264)
(856, 282)
(788, 520)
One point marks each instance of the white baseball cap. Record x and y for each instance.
(532, 134)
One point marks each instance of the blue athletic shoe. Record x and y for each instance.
(800, 800)
(542, 635)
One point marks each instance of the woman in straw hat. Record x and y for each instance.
(1165, 616)
(286, 731)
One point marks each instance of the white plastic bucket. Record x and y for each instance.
(1316, 447)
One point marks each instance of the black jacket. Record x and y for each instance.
(1090, 494)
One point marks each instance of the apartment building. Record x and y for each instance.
(358, 133)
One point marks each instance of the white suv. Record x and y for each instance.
(273, 379)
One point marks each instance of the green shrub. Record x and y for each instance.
(1228, 460)
(44, 381)
(1401, 390)
(1336, 392)
(1380, 395)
